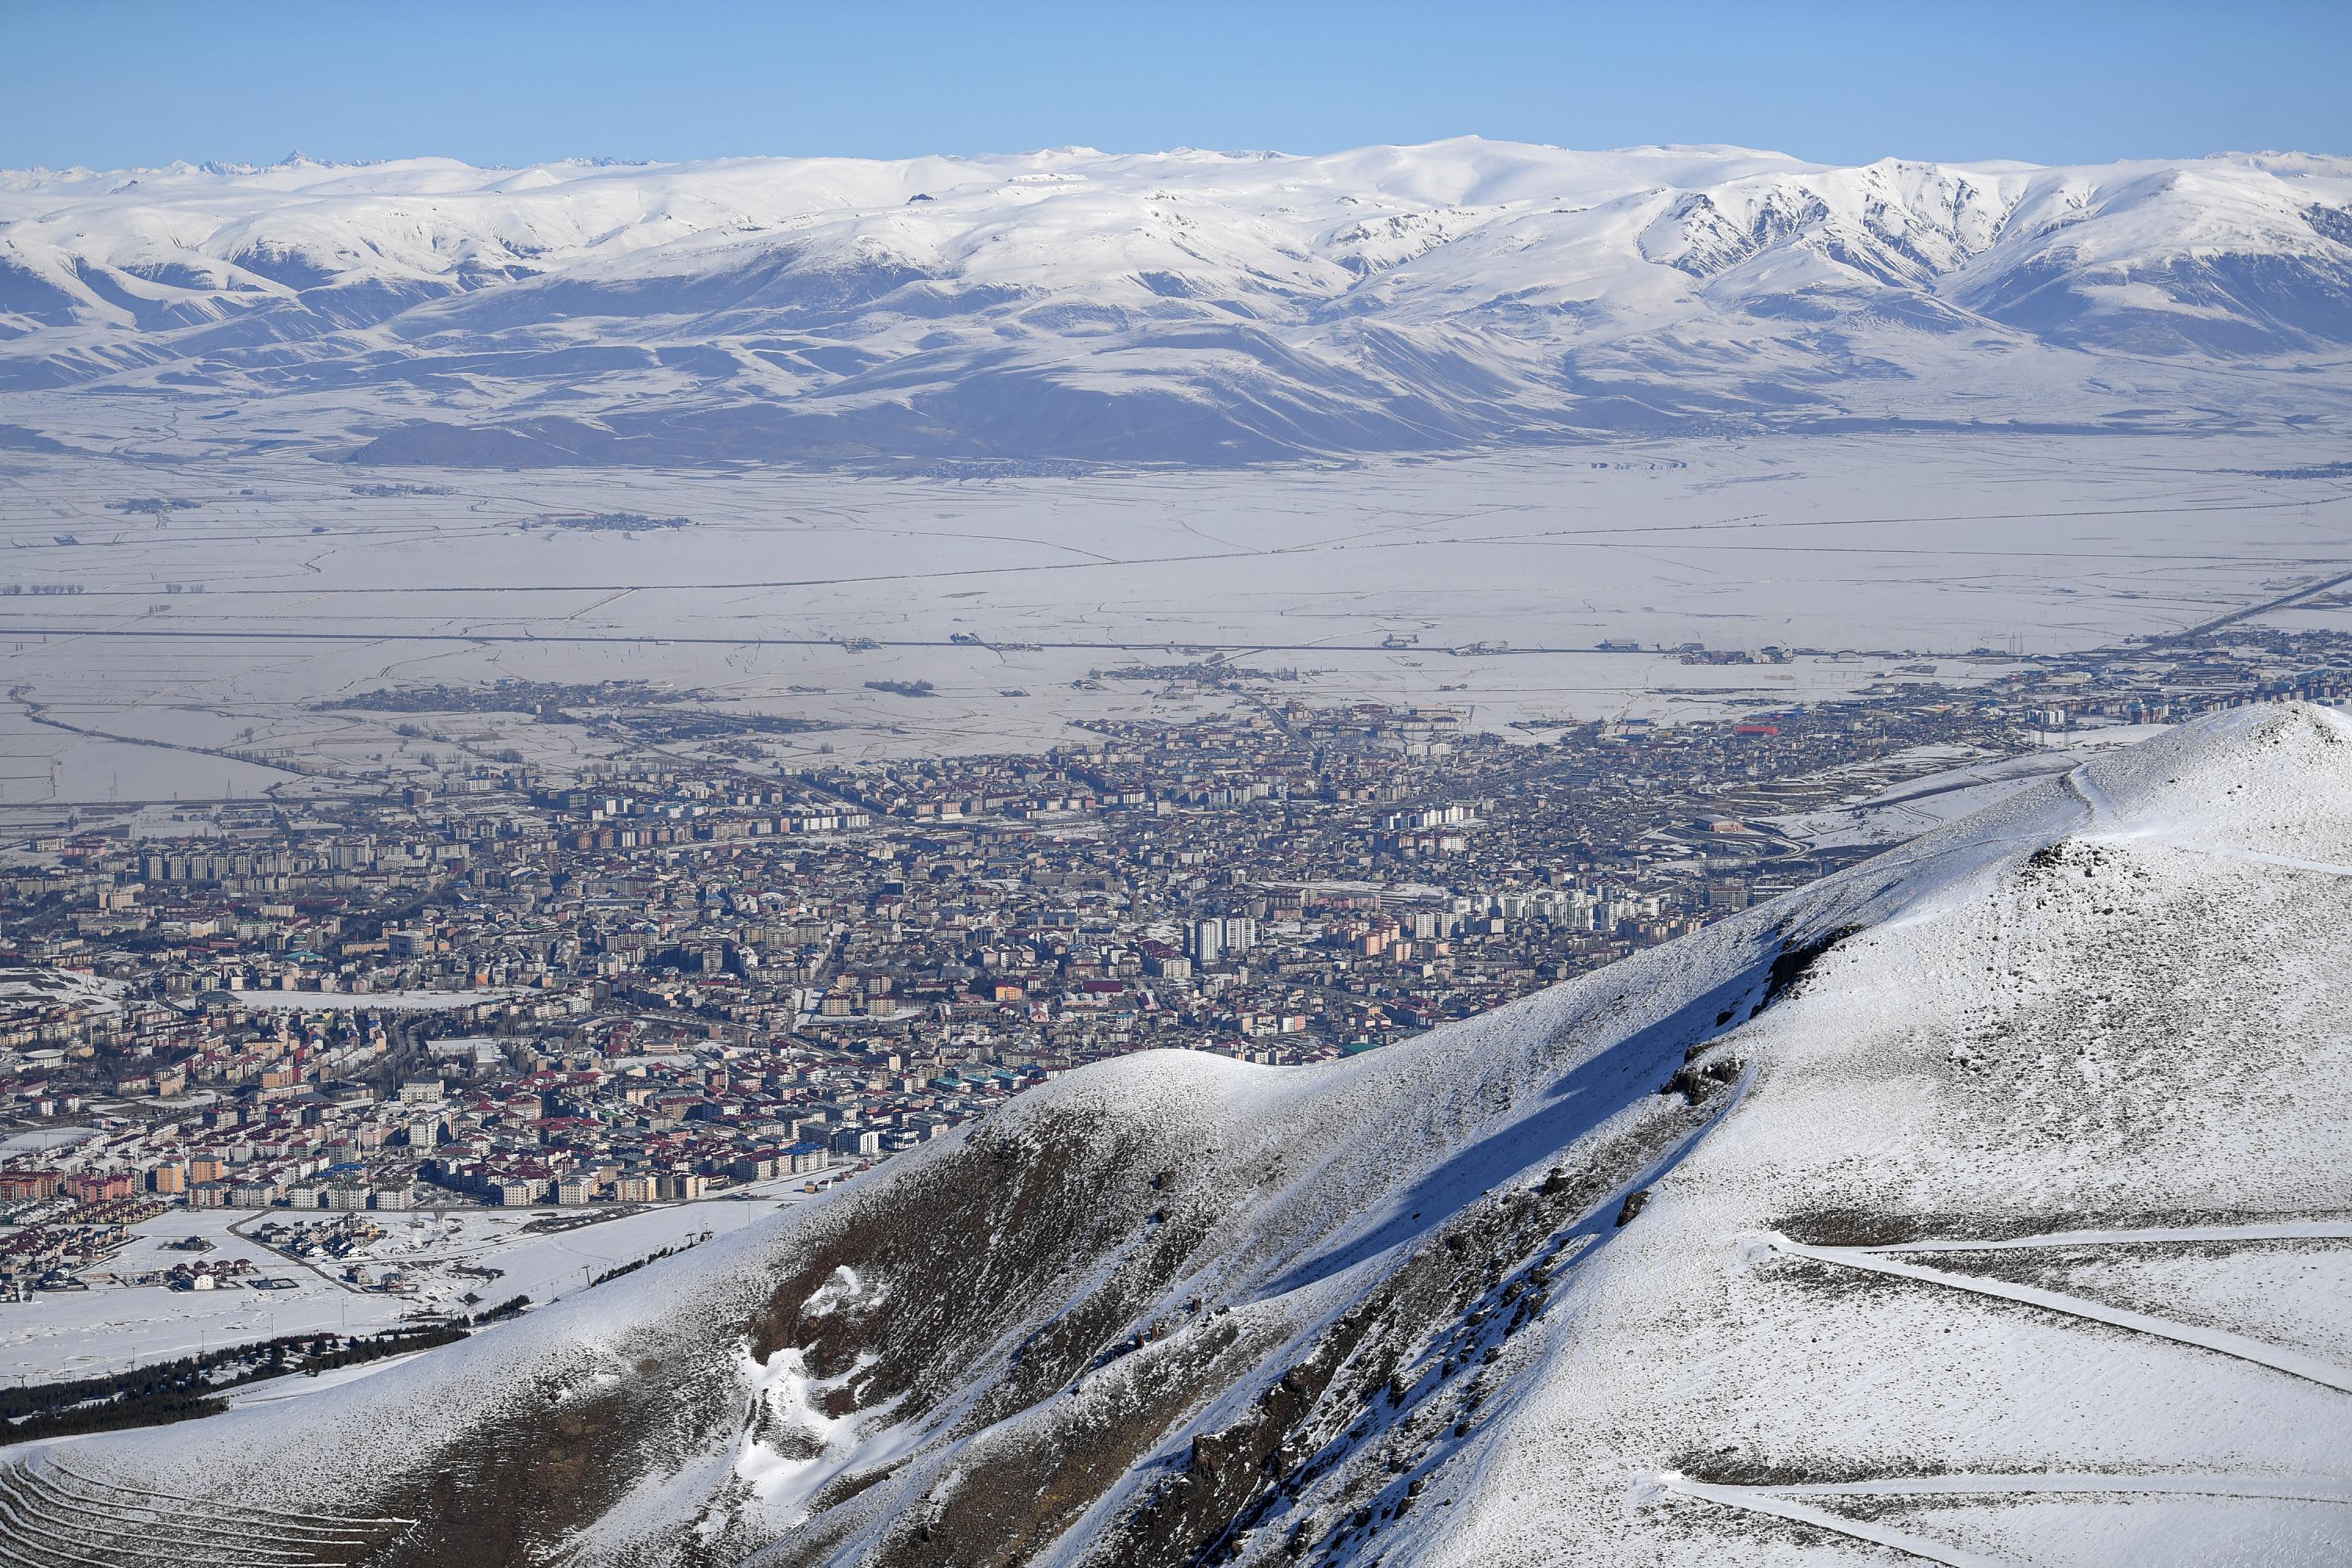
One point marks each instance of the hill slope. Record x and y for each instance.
(1988, 1203)
(1188, 305)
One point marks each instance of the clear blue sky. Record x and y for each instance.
(514, 82)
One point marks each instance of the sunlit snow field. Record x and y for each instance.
(1493, 583)
(81, 1334)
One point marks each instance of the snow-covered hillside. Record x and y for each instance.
(1990, 1203)
(1186, 305)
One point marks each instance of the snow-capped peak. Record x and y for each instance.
(1542, 293)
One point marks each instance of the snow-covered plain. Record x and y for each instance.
(1986, 1203)
(1505, 573)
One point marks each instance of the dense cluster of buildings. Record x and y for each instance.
(663, 978)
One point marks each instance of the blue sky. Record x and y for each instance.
(123, 83)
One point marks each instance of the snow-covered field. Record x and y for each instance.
(1929, 800)
(39, 987)
(1502, 577)
(1984, 1203)
(55, 1334)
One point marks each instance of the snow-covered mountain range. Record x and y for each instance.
(1988, 1203)
(1190, 306)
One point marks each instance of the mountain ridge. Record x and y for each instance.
(1184, 307)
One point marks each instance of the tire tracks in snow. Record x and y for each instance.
(2078, 782)
(2221, 1342)
(1781, 1501)
(1756, 1499)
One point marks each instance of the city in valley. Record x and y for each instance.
(1466, 824)
(428, 990)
